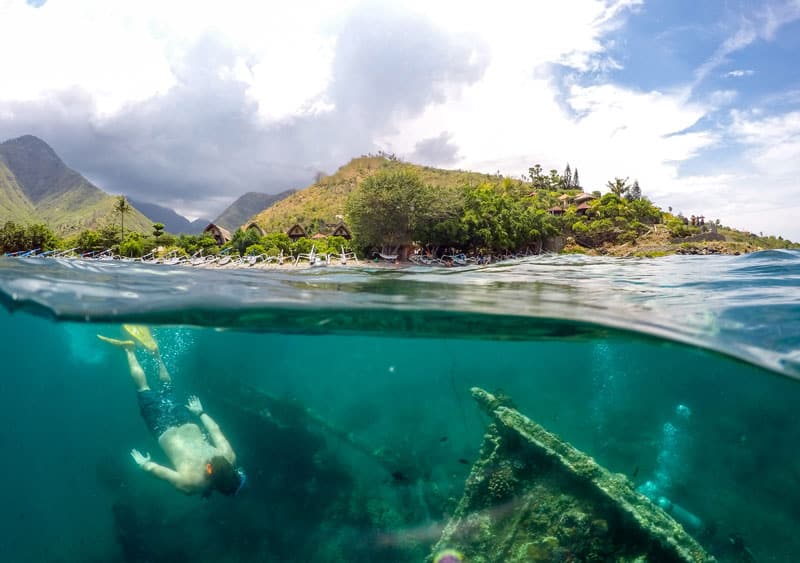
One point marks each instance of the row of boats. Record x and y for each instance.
(198, 259)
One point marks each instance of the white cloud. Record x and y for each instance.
(526, 108)
(123, 53)
(739, 73)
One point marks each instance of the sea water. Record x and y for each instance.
(678, 372)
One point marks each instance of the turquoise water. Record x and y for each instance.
(679, 371)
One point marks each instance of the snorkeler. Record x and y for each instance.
(202, 464)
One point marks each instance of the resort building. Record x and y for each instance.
(220, 234)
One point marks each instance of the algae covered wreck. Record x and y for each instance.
(533, 497)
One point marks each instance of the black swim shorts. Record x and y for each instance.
(161, 409)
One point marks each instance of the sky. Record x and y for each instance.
(191, 104)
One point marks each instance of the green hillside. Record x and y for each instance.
(246, 206)
(323, 202)
(37, 187)
(13, 203)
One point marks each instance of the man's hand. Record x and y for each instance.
(139, 458)
(194, 405)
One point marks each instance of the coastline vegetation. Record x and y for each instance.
(396, 208)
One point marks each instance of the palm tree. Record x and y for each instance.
(618, 186)
(122, 207)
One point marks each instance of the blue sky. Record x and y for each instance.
(191, 104)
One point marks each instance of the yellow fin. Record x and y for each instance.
(142, 335)
(115, 342)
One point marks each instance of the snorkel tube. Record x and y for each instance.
(242, 480)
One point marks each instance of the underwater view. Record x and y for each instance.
(552, 408)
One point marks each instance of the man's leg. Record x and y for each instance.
(163, 374)
(137, 373)
(145, 338)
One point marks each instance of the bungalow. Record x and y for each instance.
(582, 209)
(555, 211)
(326, 230)
(296, 232)
(583, 198)
(341, 230)
(220, 234)
(255, 226)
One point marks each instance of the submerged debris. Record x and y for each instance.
(533, 497)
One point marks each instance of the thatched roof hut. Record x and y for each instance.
(341, 230)
(220, 234)
(296, 232)
(555, 211)
(257, 227)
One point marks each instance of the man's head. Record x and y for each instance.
(223, 476)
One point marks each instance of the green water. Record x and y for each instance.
(346, 396)
(70, 417)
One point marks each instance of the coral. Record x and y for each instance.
(502, 482)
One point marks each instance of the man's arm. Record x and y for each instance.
(169, 475)
(219, 439)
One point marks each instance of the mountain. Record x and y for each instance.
(172, 221)
(37, 187)
(241, 210)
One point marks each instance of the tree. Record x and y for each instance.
(576, 183)
(387, 208)
(158, 230)
(635, 192)
(122, 207)
(538, 181)
(618, 186)
(243, 239)
(133, 246)
(89, 240)
(12, 237)
(555, 180)
(567, 177)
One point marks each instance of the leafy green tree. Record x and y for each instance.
(635, 192)
(134, 245)
(190, 244)
(109, 237)
(242, 239)
(278, 240)
(555, 181)
(254, 250)
(618, 186)
(301, 246)
(496, 219)
(386, 209)
(158, 230)
(89, 241)
(12, 237)
(40, 236)
(538, 181)
(122, 207)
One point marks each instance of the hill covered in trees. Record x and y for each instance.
(390, 204)
(37, 187)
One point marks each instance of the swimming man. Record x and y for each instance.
(201, 464)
